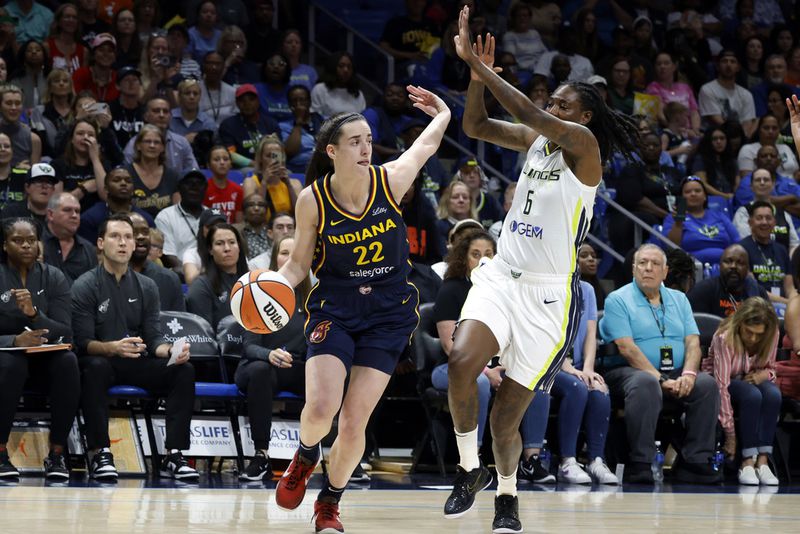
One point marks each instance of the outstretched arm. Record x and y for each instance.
(404, 169)
(578, 143)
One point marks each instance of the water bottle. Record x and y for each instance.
(657, 467)
(718, 460)
(544, 456)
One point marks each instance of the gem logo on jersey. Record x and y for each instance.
(526, 229)
(320, 332)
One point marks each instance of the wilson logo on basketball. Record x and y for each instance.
(319, 333)
(272, 314)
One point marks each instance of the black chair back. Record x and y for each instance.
(427, 348)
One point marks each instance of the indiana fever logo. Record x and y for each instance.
(320, 332)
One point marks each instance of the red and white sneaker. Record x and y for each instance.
(326, 518)
(291, 487)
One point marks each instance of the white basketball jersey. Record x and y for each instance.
(550, 214)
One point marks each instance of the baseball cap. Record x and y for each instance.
(465, 161)
(246, 88)
(127, 70)
(211, 216)
(193, 173)
(103, 38)
(727, 52)
(42, 170)
(595, 79)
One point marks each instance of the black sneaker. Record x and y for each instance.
(532, 471)
(7, 469)
(359, 475)
(102, 466)
(55, 467)
(176, 466)
(506, 515)
(638, 473)
(466, 485)
(697, 473)
(257, 468)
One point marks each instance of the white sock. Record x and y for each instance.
(507, 485)
(468, 449)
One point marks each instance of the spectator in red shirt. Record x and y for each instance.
(222, 193)
(99, 77)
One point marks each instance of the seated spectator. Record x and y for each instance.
(177, 152)
(667, 87)
(217, 99)
(91, 26)
(129, 46)
(387, 121)
(224, 261)
(222, 193)
(204, 35)
(587, 266)
(714, 162)
(721, 295)
(675, 136)
(273, 89)
(180, 222)
(115, 320)
(587, 40)
(160, 70)
(57, 101)
(64, 43)
(762, 183)
(300, 129)
(154, 183)
(584, 401)
(169, 285)
(521, 39)
(775, 76)
(292, 47)
(272, 363)
(462, 259)
(702, 232)
(658, 339)
(128, 110)
(580, 67)
(187, 119)
(769, 261)
(156, 246)
(254, 228)
(178, 39)
(40, 183)
(340, 90)
(63, 248)
(237, 69)
(424, 242)
(99, 77)
(86, 106)
(680, 270)
(31, 74)
(147, 15)
(242, 132)
(12, 179)
(80, 167)
(271, 177)
(35, 312)
(786, 191)
(33, 20)
(119, 195)
(722, 99)
(768, 131)
(408, 38)
(469, 171)
(776, 105)
(445, 71)
(742, 361)
(460, 229)
(752, 53)
(280, 225)
(620, 91)
(27, 145)
(455, 205)
(260, 29)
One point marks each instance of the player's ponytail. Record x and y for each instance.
(329, 133)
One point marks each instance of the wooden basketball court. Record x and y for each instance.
(32, 507)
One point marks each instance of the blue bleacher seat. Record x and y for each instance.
(127, 391)
(216, 389)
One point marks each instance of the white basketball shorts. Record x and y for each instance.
(534, 318)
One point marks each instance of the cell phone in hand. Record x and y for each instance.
(680, 209)
(278, 157)
(98, 108)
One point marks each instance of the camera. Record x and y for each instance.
(165, 61)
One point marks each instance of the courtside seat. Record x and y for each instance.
(122, 390)
(217, 390)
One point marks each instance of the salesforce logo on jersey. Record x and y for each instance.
(526, 229)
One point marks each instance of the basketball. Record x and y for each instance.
(262, 301)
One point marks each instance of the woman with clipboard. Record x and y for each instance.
(35, 310)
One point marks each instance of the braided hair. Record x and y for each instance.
(7, 226)
(329, 133)
(614, 131)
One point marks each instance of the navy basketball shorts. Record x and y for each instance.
(369, 326)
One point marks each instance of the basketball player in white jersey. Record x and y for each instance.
(524, 304)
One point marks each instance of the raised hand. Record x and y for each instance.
(425, 101)
(462, 40)
(794, 110)
(484, 49)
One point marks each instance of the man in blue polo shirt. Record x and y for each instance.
(655, 332)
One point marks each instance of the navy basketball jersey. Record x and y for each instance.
(369, 248)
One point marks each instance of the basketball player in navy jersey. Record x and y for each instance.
(524, 303)
(362, 313)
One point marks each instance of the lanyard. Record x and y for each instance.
(186, 220)
(662, 326)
